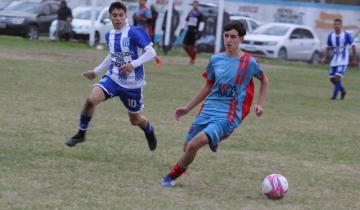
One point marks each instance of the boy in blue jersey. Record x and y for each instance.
(228, 93)
(339, 42)
(125, 75)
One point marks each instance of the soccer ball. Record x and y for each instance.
(275, 186)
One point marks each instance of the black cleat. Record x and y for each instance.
(78, 138)
(151, 139)
(343, 93)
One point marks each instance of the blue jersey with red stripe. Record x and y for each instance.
(233, 90)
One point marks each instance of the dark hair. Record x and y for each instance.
(117, 5)
(237, 25)
(338, 20)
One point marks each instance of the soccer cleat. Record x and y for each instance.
(78, 138)
(151, 139)
(167, 182)
(343, 93)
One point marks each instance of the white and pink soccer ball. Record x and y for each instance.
(275, 186)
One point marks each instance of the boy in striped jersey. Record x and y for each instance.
(124, 77)
(228, 93)
(339, 42)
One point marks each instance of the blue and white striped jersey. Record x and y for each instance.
(126, 45)
(340, 44)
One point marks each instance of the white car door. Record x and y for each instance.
(295, 45)
(309, 44)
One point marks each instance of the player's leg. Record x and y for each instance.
(97, 95)
(132, 100)
(190, 150)
(336, 76)
(137, 119)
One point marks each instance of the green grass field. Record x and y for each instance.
(304, 135)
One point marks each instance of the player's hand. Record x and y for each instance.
(179, 112)
(258, 110)
(127, 68)
(90, 74)
(323, 61)
(354, 61)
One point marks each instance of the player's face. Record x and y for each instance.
(232, 40)
(195, 5)
(118, 18)
(337, 26)
(142, 3)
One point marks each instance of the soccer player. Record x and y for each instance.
(195, 24)
(339, 42)
(125, 75)
(228, 92)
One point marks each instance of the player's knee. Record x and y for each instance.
(134, 120)
(89, 103)
(191, 147)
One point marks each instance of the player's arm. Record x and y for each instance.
(262, 95)
(353, 51)
(203, 92)
(148, 55)
(327, 49)
(99, 69)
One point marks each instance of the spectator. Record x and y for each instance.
(175, 20)
(154, 14)
(64, 18)
(195, 24)
(143, 19)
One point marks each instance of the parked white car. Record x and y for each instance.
(81, 24)
(249, 23)
(283, 41)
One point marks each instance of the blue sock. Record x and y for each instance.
(342, 89)
(84, 121)
(337, 88)
(148, 128)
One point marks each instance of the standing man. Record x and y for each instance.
(143, 18)
(339, 42)
(64, 18)
(228, 92)
(195, 24)
(125, 75)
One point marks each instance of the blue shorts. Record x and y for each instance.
(216, 131)
(131, 98)
(337, 71)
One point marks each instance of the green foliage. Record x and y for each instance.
(304, 135)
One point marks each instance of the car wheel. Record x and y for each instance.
(32, 33)
(282, 55)
(97, 37)
(315, 58)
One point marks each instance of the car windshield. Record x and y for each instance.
(272, 30)
(23, 6)
(85, 14)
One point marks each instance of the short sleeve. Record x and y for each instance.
(147, 14)
(348, 39)
(329, 42)
(141, 38)
(258, 70)
(209, 74)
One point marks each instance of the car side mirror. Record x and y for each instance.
(106, 21)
